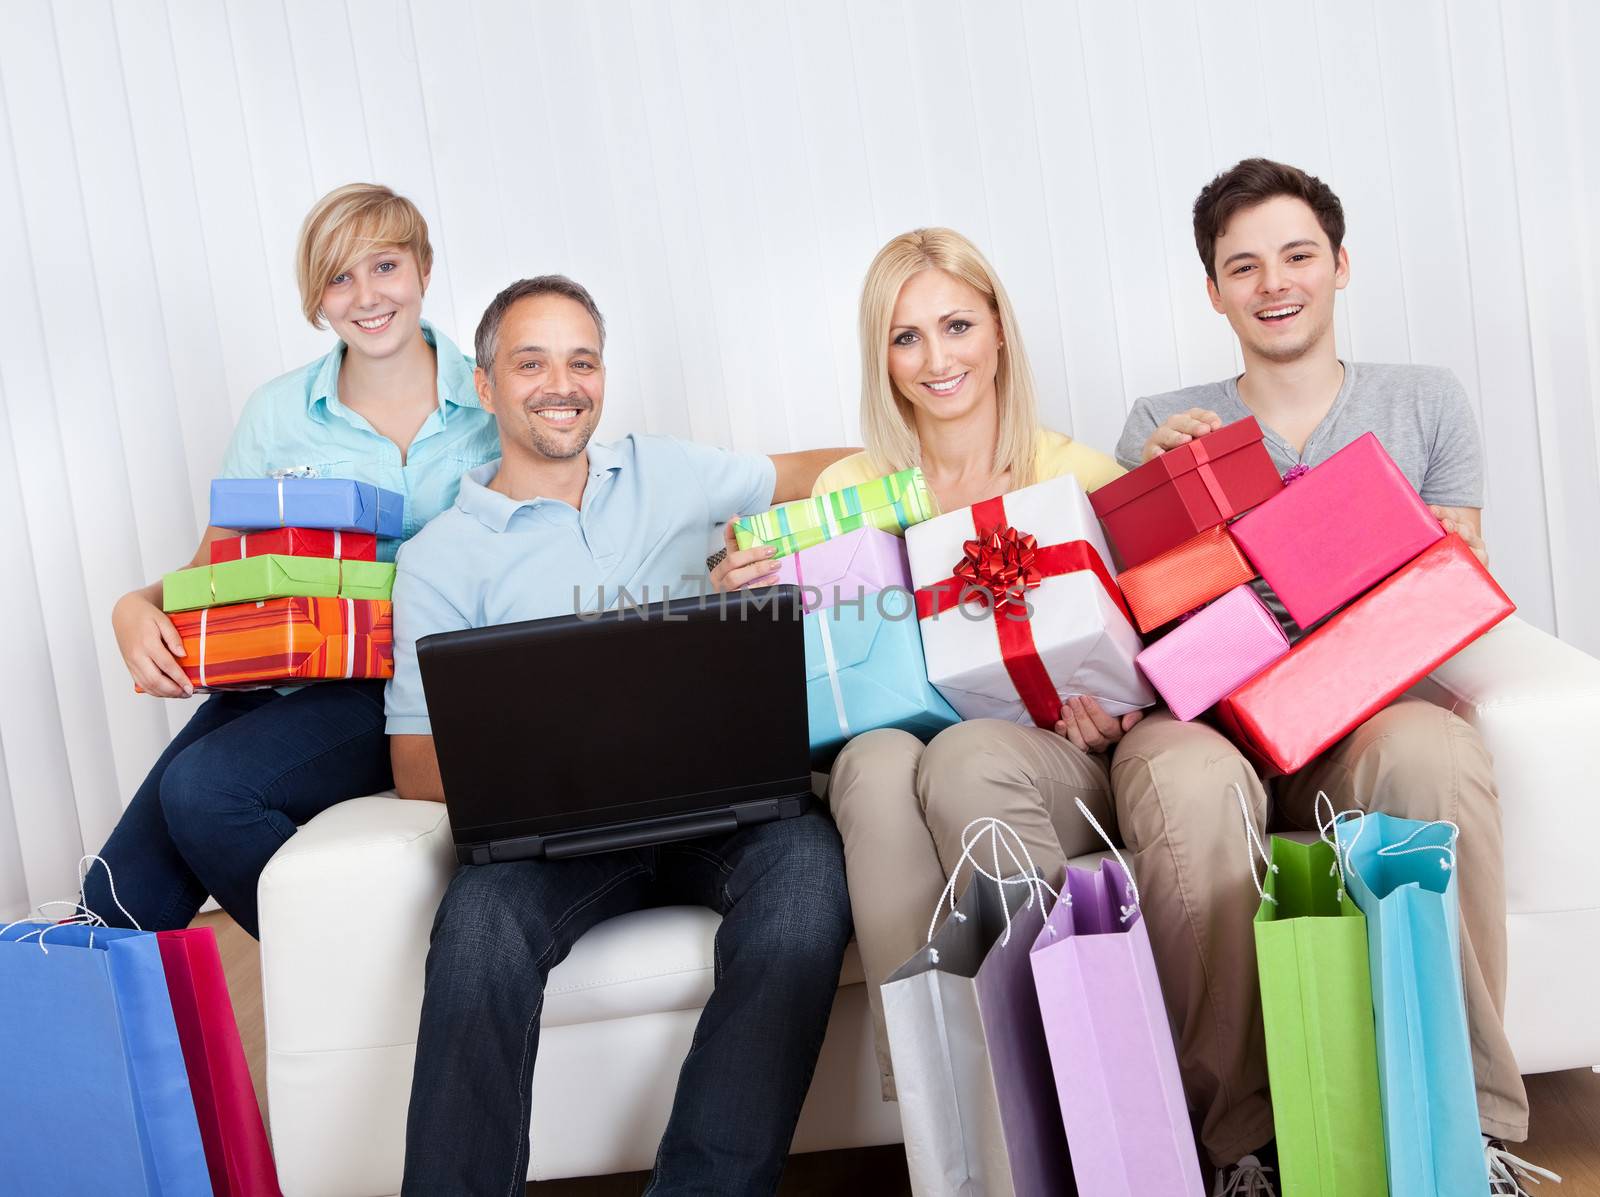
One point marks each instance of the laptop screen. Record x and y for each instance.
(578, 721)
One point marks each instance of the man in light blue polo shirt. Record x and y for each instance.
(558, 517)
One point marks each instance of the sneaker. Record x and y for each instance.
(1508, 1174)
(1247, 1178)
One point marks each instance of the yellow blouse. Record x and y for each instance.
(1056, 454)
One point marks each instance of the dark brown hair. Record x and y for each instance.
(487, 342)
(1254, 181)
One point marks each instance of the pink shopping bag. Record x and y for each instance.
(237, 1152)
(1110, 1044)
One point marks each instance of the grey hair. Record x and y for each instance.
(486, 342)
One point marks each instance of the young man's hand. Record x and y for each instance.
(1084, 724)
(743, 567)
(1467, 523)
(1180, 430)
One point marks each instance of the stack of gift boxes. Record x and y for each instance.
(916, 620)
(1197, 524)
(299, 596)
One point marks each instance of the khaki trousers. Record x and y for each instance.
(901, 808)
(1180, 818)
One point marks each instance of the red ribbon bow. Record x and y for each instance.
(1006, 564)
(1003, 563)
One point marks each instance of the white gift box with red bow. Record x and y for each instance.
(1019, 608)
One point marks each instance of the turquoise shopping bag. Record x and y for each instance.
(1401, 873)
(94, 1093)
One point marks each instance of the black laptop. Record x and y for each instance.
(587, 733)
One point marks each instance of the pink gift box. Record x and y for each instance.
(1203, 660)
(1340, 530)
(844, 568)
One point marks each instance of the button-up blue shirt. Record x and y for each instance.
(646, 520)
(297, 423)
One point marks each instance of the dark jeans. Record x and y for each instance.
(502, 927)
(233, 785)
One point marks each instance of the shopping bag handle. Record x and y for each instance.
(1029, 873)
(1447, 859)
(1253, 844)
(83, 917)
(1127, 912)
(1328, 834)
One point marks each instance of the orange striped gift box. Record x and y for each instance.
(1184, 577)
(286, 640)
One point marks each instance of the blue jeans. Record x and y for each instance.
(502, 927)
(233, 785)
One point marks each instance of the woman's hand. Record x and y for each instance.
(1180, 430)
(150, 646)
(743, 567)
(1085, 725)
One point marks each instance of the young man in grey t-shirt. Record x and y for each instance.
(1270, 238)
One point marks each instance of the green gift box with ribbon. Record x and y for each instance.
(275, 575)
(892, 503)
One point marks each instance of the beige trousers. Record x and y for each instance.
(1180, 818)
(901, 808)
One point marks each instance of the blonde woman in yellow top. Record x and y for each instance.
(945, 385)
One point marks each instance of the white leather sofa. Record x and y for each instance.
(346, 908)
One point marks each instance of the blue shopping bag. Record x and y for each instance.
(1401, 873)
(94, 1094)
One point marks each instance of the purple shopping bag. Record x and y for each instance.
(1115, 1066)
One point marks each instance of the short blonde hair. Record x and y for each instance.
(886, 417)
(344, 225)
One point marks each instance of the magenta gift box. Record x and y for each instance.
(1338, 531)
(1211, 655)
(844, 568)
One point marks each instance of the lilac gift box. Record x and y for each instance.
(842, 569)
(1205, 659)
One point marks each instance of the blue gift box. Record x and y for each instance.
(864, 670)
(342, 504)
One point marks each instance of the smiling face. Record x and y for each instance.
(1277, 275)
(375, 306)
(944, 346)
(547, 386)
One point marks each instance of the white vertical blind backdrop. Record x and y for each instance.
(720, 174)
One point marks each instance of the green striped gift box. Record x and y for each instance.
(892, 503)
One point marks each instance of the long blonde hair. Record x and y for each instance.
(886, 416)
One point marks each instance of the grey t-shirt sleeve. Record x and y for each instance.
(1455, 459)
(1136, 431)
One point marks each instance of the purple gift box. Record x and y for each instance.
(846, 567)
(1208, 657)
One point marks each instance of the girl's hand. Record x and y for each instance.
(743, 567)
(1085, 725)
(150, 647)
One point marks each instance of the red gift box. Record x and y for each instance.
(297, 542)
(1181, 579)
(1348, 523)
(1186, 490)
(1365, 657)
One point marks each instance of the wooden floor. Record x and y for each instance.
(1565, 1129)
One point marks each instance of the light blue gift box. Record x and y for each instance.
(250, 504)
(864, 670)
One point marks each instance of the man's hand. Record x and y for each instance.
(743, 567)
(1467, 523)
(1180, 430)
(1084, 724)
(150, 646)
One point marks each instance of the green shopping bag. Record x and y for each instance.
(1316, 1006)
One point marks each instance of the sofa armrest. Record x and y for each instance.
(343, 947)
(1536, 702)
